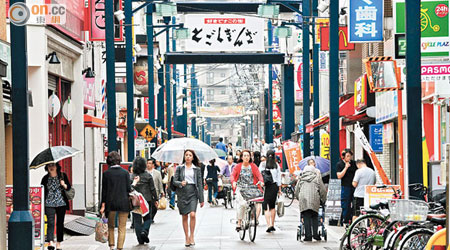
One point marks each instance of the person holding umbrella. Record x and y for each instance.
(56, 202)
(189, 189)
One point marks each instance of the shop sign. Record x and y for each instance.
(298, 79)
(386, 106)
(293, 155)
(323, 60)
(334, 210)
(361, 93)
(400, 46)
(366, 21)
(230, 111)
(148, 132)
(89, 93)
(325, 145)
(276, 113)
(344, 43)
(374, 195)
(376, 137)
(139, 144)
(320, 22)
(74, 25)
(434, 21)
(97, 21)
(228, 33)
(36, 209)
(436, 79)
(388, 133)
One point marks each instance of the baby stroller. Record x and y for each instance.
(322, 230)
(225, 191)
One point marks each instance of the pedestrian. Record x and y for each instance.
(263, 158)
(143, 183)
(256, 145)
(211, 180)
(311, 166)
(272, 189)
(227, 169)
(56, 203)
(116, 186)
(220, 145)
(264, 147)
(157, 180)
(189, 183)
(363, 176)
(171, 173)
(245, 179)
(310, 192)
(346, 169)
(237, 158)
(257, 158)
(230, 148)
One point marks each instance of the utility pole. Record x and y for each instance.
(150, 70)
(110, 76)
(306, 7)
(316, 90)
(130, 80)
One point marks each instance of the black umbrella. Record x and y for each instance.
(53, 155)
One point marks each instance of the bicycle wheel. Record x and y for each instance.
(344, 245)
(231, 199)
(394, 242)
(252, 223)
(389, 233)
(242, 231)
(363, 231)
(416, 239)
(289, 197)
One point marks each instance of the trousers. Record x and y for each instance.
(60, 213)
(123, 216)
(311, 221)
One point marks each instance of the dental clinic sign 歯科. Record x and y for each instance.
(434, 25)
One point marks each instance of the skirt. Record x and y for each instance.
(187, 199)
(270, 196)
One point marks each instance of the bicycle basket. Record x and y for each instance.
(408, 210)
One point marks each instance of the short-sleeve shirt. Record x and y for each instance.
(347, 180)
(364, 176)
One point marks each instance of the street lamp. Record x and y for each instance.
(166, 9)
(268, 10)
(181, 33)
(283, 32)
(53, 58)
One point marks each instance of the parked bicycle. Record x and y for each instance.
(288, 191)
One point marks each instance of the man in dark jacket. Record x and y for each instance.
(346, 169)
(115, 189)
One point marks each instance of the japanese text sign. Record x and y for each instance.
(374, 195)
(361, 93)
(344, 43)
(376, 137)
(293, 155)
(366, 21)
(229, 33)
(89, 92)
(97, 21)
(434, 25)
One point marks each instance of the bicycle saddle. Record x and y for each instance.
(381, 205)
(439, 219)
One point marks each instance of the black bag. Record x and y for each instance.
(267, 176)
(172, 185)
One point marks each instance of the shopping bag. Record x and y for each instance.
(143, 208)
(280, 209)
(162, 203)
(101, 230)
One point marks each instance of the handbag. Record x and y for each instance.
(162, 203)
(70, 194)
(134, 200)
(280, 209)
(101, 230)
(165, 180)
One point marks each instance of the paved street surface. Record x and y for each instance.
(215, 230)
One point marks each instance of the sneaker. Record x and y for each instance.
(317, 238)
(144, 237)
(172, 206)
(307, 239)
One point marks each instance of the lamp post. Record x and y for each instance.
(151, 70)
(110, 75)
(20, 224)
(306, 83)
(316, 91)
(129, 77)
(168, 85)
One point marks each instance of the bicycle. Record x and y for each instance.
(249, 222)
(288, 190)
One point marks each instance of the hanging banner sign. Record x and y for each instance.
(434, 26)
(228, 33)
(89, 93)
(230, 111)
(376, 137)
(325, 145)
(293, 155)
(344, 43)
(366, 21)
(361, 93)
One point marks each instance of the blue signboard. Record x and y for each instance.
(376, 137)
(365, 21)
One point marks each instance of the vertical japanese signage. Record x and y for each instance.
(97, 21)
(325, 145)
(293, 155)
(89, 93)
(376, 137)
(366, 21)
(230, 33)
(361, 93)
(434, 23)
(36, 209)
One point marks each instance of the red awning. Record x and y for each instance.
(174, 132)
(346, 109)
(94, 122)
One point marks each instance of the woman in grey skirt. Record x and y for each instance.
(189, 189)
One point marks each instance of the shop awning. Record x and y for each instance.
(177, 134)
(94, 122)
(346, 111)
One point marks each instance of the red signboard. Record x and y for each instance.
(97, 21)
(36, 209)
(89, 92)
(361, 93)
(74, 25)
(344, 44)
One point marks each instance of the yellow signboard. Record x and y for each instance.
(148, 133)
(325, 146)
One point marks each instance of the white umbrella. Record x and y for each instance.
(173, 150)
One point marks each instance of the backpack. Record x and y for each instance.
(267, 176)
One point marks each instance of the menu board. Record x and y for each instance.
(36, 209)
(333, 206)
